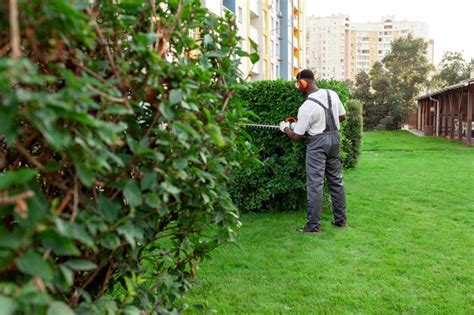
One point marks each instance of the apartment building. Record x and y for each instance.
(355, 47)
(276, 26)
(327, 51)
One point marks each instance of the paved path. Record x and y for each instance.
(417, 132)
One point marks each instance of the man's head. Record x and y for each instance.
(305, 81)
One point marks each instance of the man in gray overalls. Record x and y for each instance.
(317, 118)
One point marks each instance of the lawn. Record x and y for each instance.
(409, 247)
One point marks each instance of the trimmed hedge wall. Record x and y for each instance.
(352, 130)
(278, 181)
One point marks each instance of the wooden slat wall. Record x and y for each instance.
(470, 112)
(453, 105)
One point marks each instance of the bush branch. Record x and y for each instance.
(31, 159)
(14, 30)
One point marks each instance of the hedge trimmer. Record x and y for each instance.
(290, 119)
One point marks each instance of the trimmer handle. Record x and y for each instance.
(291, 119)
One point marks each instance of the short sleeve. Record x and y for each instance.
(304, 120)
(340, 108)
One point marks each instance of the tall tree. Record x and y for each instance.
(386, 110)
(408, 69)
(470, 67)
(453, 68)
(361, 91)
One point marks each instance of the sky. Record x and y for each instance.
(451, 23)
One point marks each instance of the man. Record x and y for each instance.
(317, 118)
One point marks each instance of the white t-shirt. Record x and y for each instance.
(311, 117)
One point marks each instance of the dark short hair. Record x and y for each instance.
(305, 74)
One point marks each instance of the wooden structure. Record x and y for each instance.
(448, 112)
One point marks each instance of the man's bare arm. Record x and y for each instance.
(292, 134)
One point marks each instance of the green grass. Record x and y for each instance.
(409, 247)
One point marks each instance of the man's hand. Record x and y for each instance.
(292, 126)
(283, 125)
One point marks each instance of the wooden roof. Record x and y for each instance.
(456, 86)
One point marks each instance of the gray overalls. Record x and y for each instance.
(322, 158)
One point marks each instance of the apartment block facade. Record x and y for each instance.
(339, 49)
(276, 26)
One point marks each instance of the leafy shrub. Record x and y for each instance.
(352, 129)
(279, 181)
(117, 132)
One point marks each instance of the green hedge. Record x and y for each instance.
(278, 182)
(352, 130)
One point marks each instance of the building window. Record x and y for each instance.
(240, 15)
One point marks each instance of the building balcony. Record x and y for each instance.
(295, 42)
(254, 34)
(254, 11)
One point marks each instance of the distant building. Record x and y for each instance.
(327, 46)
(339, 49)
(277, 26)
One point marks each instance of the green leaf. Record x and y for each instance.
(152, 200)
(131, 310)
(80, 264)
(67, 274)
(7, 124)
(149, 180)
(86, 176)
(108, 209)
(59, 308)
(131, 233)
(8, 305)
(59, 244)
(118, 110)
(110, 241)
(11, 239)
(167, 111)
(133, 194)
(254, 57)
(18, 177)
(175, 97)
(180, 163)
(168, 187)
(216, 134)
(74, 231)
(33, 264)
(217, 54)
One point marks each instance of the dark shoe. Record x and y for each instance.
(340, 224)
(309, 230)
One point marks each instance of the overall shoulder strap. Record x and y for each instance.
(329, 99)
(317, 102)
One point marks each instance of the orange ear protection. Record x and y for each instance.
(303, 84)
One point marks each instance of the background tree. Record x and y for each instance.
(408, 69)
(362, 92)
(470, 67)
(453, 68)
(362, 87)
